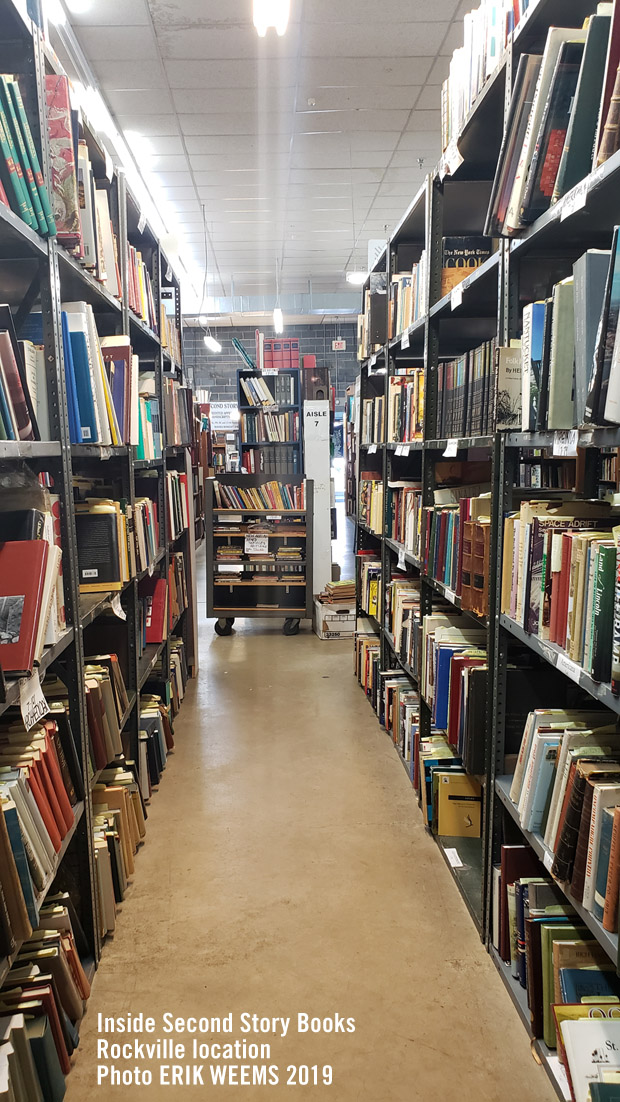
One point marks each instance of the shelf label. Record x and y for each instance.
(372, 449)
(456, 298)
(151, 569)
(565, 442)
(255, 544)
(452, 448)
(402, 565)
(141, 222)
(373, 360)
(109, 165)
(567, 666)
(270, 371)
(575, 200)
(32, 702)
(450, 594)
(274, 517)
(105, 453)
(402, 449)
(453, 858)
(168, 275)
(404, 342)
(117, 607)
(547, 860)
(230, 568)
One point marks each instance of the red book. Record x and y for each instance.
(50, 792)
(268, 355)
(294, 351)
(93, 707)
(14, 388)
(56, 777)
(156, 592)
(286, 354)
(22, 574)
(43, 805)
(309, 363)
(458, 663)
(277, 355)
(3, 198)
(516, 861)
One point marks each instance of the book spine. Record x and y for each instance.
(610, 910)
(610, 140)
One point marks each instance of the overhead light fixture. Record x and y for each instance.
(212, 344)
(271, 13)
(55, 12)
(78, 7)
(278, 320)
(357, 278)
(203, 320)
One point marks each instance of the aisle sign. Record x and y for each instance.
(224, 416)
(255, 544)
(565, 443)
(316, 420)
(32, 702)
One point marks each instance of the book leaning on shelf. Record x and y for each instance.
(369, 582)
(140, 289)
(178, 412)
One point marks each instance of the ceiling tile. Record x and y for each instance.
(376, 71)
(222, 41)
(366, 39)
(113, 13)
(140, 74)
(358, 97)
(149, 125)
(124, 43)
(228, 100)
(152, 101)
(235, 123)
(343, 121)
(251, 74)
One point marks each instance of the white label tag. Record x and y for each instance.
(571, 669)
(32, 702)
(404, 343)
(259, 545)
(575, 200)
(451, 449)
(230, 568)
(151, 569)
(451, 595)
(105, 453)
(372, 449)
(547, 860)
(565, 442)
(456, 298)
(273, 517)
(373, 360)
(117, 607)
(453, 858)
(141, 222)
(453, 157)
(109, 165)
(168, 275)
(401, 559)
(270, 371)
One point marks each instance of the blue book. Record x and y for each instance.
(602, 869)
(536, 358)
(442, 683)
(21, 861)
(577, 984)
(75, 432)
(84, 390)
(546, 758)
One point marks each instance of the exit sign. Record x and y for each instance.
(339, 346)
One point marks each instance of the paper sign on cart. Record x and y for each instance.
(32, 702)
(255, 544)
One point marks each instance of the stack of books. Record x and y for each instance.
(178, 503)
(257, 428)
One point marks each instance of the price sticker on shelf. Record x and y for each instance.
(109, 165)
(273, 517)
(372, 449)
(547, 860)
(567, 666)
(456, 298)
(230, 568)
(105, 453)
(32, 702)
(373, 360)
(453, 858)
(404, 341)
(575, 200)
(255, 544)
(402, 563)
(565, 442)
(141, 222)
(151, 569)
(117, 607)
(270, 371)
(168, 275)
(452, 449)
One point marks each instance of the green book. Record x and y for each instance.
(20, 148)
(576, 160)
(13, 175)
(549, 934)
(16, 94)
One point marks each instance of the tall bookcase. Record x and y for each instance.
(266, 449)
(487, 304)
(37, 275)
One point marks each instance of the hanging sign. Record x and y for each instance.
(32, 702)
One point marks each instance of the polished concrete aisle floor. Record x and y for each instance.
(286, 871)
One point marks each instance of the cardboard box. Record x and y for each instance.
(335, 621)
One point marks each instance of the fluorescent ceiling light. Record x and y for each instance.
(357, 278)
(203, 320)
(271, 13)
(212, 344)
(55, 12)
(78, 7)
(278, 320)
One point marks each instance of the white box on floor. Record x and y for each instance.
(335, 621)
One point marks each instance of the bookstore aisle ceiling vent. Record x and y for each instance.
(304, 146)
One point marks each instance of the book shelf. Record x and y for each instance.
(273, 589)
(271, 431)
(37, 275)
(487, 304)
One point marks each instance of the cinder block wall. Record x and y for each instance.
(218, 373)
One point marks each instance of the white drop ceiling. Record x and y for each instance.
(301, 148)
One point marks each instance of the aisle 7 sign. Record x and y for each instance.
(316, 420)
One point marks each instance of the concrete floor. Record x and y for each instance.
(286, 870)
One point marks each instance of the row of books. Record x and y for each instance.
(370, 508)
(178, 412)
(450, 797)
(559, 580)
(150, 439)
(398, 709)
(258, 428)
(271, 495)
(22, 186)
(108, 551)
(403, 618)
(276, 459)
(572, 989)
(486, 31)
(279, 354)
(408, 297)
(177, 492)
(537, 471)
(453, 683)
(369, 582)
(404, 515)
(456, 545)
(373, 420)
(169, 334)
(479, 392)
(562, 120)
(405, 420)
(274, 390)
(161, 602)
(140, 289)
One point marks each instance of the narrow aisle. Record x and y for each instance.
(286, 870)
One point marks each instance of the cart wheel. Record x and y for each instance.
(223, 627)
(230, 620)
(291, 627)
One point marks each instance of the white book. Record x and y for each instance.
(524, 750)
(134, 389)
(555, 38)
(591, 1045)
(605, 795)
(87, 212)
(107, 241)
(48, 598)
(28, 811)
(536, 801)
(13, 1033)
